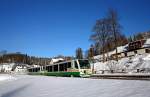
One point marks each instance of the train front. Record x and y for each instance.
(84, 68)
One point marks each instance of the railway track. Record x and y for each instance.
(122, 76)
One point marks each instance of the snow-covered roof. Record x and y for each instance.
(57, 60)
(120, 49)
(21, 67)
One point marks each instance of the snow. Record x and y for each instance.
(147, 57)
(56, 60)
(147, 43)
(5, 77)
(128, 63)
(2, 78)
(146, 64)
(99, 66)
(120, 49)
(43, 86)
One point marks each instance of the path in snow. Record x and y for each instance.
(43, 86)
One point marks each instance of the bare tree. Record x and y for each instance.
(79, 53)
(91, 52)
(101, 34)
(115, 26)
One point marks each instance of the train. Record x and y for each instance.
(75, 68)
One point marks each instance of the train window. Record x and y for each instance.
(84, 64)
(65, 66)
(30, 70)
(76, 65)
(61, 67)
(55, 68)
(38, 69)
(34, 70)
(49, 68)
(69, 65)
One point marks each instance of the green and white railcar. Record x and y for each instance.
(77, 68)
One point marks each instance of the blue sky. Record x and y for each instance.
(48, 28)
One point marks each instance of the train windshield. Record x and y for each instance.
(84, 64)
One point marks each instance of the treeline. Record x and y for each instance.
(139, 36)
(96, 48)
(23, 58)
(107, 36)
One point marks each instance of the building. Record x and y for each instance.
(20, 69)
(130, 49)
(13, 68)
(138, 47)
(6, 67)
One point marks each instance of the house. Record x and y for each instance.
(6, 67)
(128, 50)
(133, 48)
(112, 54)
(138, 47)
(13, 68)
(20, 68)
(120, 52)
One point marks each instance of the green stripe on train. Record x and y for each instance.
(65, 74)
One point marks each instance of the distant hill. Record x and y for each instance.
(23, 58)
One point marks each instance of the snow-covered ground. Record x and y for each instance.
(6, 77)
(43, 86)
(129, 64)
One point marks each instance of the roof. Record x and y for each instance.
(57, 60)
(120, 50)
